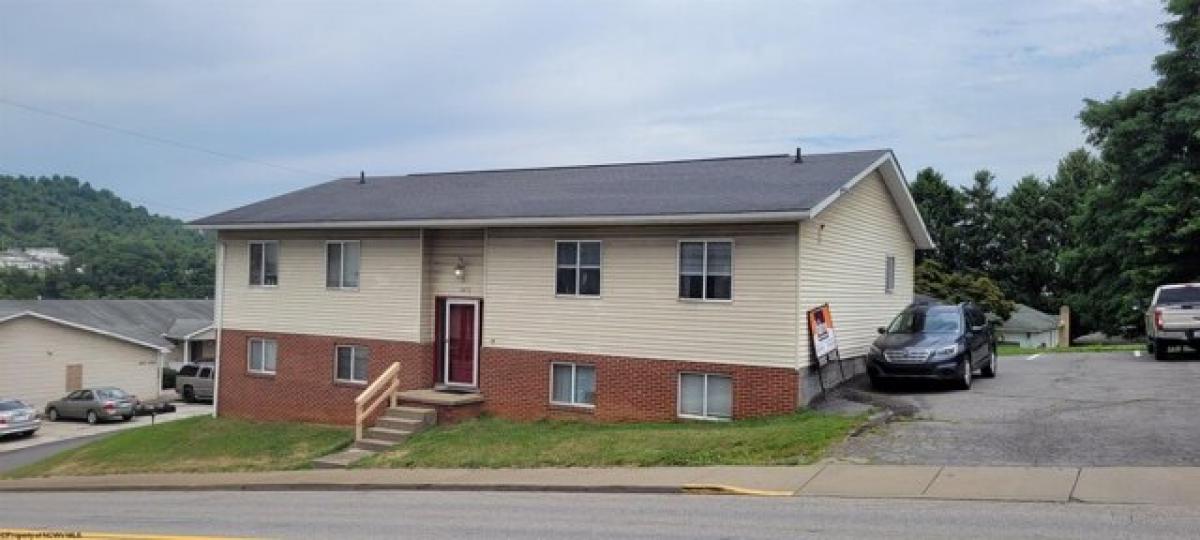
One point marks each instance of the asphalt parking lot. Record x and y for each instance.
(1075, 409)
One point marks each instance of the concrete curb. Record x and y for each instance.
(1168, 486)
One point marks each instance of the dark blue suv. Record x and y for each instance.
(940, 342)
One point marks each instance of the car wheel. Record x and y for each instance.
(52, 414)
(27, 433)
(990, 369)
(92, 418)
(189, 395)
(880, 383)
(1160, 351)
(964, 383)
(1150, 346)
(127, 417)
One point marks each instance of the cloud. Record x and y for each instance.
(337, 87)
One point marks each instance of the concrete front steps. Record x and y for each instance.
(395, 426)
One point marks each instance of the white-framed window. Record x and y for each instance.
(264, 263)
(572, 384)
(706, 396)
(261, 356)
(706, 269)
(577, 270)
(350, 363)
(342, 259)
(889, 274)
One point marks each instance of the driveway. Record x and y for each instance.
(1075, 409)
(63, 435)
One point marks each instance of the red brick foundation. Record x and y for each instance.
(515, 383)
(302, 388)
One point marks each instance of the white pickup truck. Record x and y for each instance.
(1173, 319)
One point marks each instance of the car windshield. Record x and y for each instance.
(111, 393)
(1179, 295)
(11, 405)
(934, 320)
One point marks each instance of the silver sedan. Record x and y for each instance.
(17, 418)
(94, 405)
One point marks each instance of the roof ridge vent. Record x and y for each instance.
(799, 156)
(362, 177)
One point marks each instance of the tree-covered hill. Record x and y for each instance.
(117, 250)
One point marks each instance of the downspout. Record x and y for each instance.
(219, 308)
(159, 381)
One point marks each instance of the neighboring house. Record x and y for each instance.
(645, 291)
(34, 259)
(48, 347)
(1028, 327)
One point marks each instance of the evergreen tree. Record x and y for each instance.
(1030, 223)
(980, 241)
(943, 208)
(1141, 227)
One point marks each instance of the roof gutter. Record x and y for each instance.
(737, 217)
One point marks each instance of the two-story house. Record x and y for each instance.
(642, 291)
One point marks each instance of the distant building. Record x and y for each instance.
(1029, 327)
(34, 259)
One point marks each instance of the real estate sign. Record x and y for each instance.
(821, 333)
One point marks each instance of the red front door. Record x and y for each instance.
(461, 342)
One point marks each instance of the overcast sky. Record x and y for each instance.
(327, 89)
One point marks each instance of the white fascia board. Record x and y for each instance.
(736, 217)
(85, 328)
(897, 186)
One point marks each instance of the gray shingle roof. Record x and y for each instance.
(736, 185)
(183, 328)
(1027, 319)
(137, 320)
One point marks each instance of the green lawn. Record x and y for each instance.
(201, 444)
(490, 442)
(1013, 350)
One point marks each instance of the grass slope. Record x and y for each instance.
(201, 444)
(1013, 350)
(492, 443)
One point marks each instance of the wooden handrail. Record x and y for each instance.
(389, 380)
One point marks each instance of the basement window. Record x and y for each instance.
(705, 396)
(351, 363)
(572, 384)
(261, 358)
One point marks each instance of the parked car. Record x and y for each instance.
(1173, 319)
(17, 418)
(195, 381)
(940, 342)
(94, 405)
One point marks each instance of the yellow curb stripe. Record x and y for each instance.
(34, 534)
(721, 489)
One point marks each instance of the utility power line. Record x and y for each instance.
(161, 140)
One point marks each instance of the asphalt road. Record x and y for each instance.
(13, 459)
(1078, 409)
(461, 515)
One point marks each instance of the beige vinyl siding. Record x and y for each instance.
(34, 355)
(442, 251)
(384, 306)
(639, 313)
(843, 264)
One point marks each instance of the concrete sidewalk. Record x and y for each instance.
(1132, 485)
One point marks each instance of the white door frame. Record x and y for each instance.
(474, 303)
